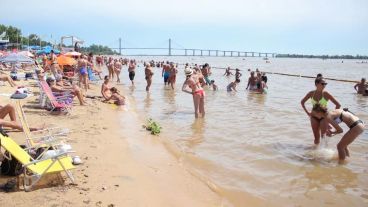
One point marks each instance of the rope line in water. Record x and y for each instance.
(295, 75)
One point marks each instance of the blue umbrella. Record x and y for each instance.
(16, 58)
(47, 50)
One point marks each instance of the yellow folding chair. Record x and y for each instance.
(48, 136)
(34, 169)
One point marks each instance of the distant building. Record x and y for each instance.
(3, 41)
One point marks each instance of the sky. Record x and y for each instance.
(279, 26)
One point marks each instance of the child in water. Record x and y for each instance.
(232, 85)
(213, 85)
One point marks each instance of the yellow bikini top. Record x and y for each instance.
(323, 102)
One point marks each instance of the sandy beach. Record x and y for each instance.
(114, 172)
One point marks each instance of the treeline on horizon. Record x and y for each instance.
(322, 56)
(16, 40)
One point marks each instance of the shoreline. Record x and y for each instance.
(123, 165)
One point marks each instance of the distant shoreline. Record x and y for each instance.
(349, 57)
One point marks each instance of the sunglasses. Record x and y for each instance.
(323, 84)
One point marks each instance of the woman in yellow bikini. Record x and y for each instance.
(319, 96)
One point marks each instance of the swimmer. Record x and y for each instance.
(361, 87)
(252, 82)
(166, 73)
(192, 81)
(213, 85)
(335, 117)
(228, 72)
(172, 76)
(232, 86)
(117, 69)
(319, 96)
(206, 72)
(237, 74)
(148, 72)
(131, 70)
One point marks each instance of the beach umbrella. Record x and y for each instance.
(73, 54)
(63, 60)
(26, 53)
(16, 58)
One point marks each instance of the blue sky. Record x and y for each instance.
(282, 26)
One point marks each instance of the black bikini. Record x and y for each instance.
(353, 124)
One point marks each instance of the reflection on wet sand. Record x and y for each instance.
(198, 128)
(339, 179)
(131, 89)
(148, 101)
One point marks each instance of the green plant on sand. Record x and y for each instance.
(152, 126)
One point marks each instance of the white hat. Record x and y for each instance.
(188, 71)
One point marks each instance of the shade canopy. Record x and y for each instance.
(26, 53)
(47, 50)
(16, 58)
(73, 54)
(63, 60)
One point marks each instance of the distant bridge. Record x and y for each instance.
(173, 51)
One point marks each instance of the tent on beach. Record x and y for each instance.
(47, 50)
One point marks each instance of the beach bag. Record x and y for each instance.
(19, 96)
(11, 167)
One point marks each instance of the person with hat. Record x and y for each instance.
(192, 81)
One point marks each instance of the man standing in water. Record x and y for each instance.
(166, 73)
(197, 91)
(252, 82)
(361, 87)
(206, 71)
(131, 70)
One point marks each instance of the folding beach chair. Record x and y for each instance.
(55, 103)
(46, 138)
(35, 169)
(92, 77)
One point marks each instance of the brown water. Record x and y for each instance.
(257, 150)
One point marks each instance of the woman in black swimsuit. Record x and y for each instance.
(335, 117)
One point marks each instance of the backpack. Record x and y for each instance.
(12, 167)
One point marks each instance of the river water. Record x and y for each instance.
(257, 149)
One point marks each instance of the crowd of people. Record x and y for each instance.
(323, 122)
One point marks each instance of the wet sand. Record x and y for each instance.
(114, 172)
